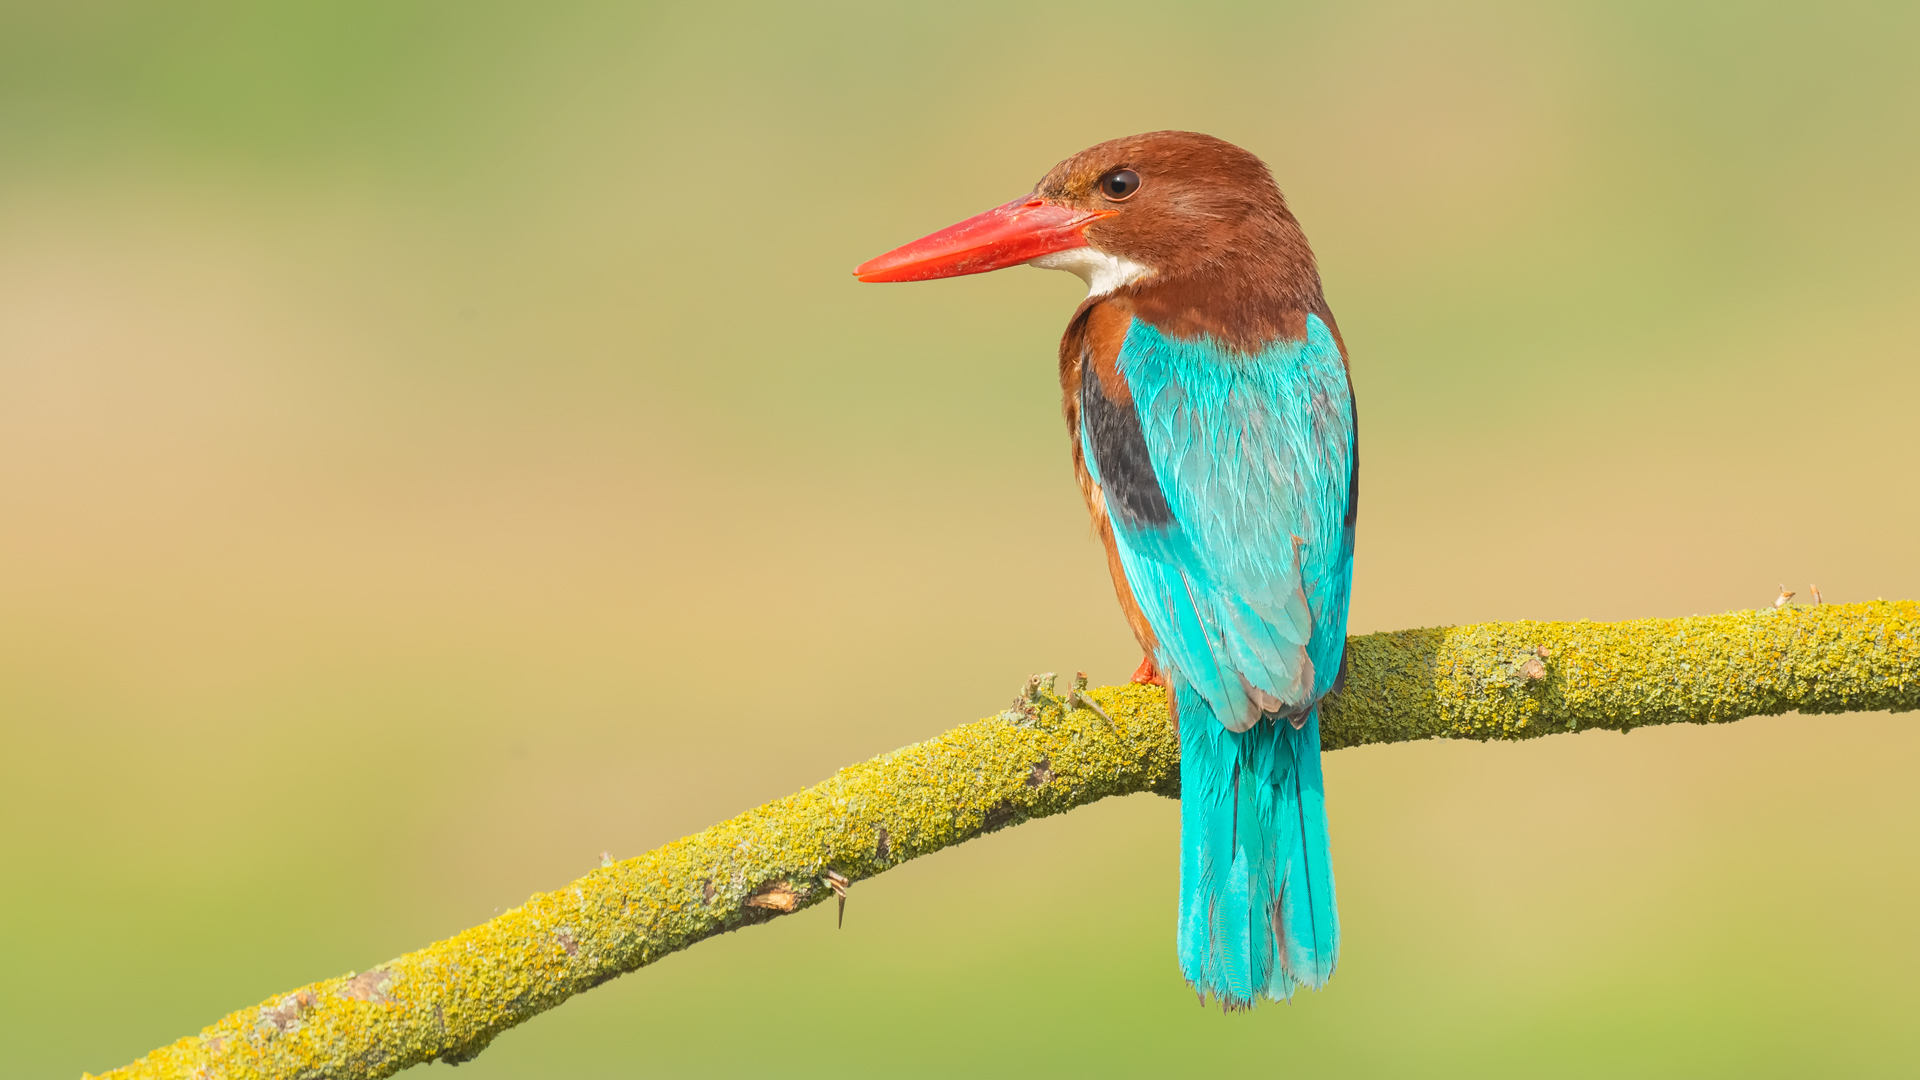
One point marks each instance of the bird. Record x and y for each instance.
(1214, 435)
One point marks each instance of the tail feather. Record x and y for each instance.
(1257, 913)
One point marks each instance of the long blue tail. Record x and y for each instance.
(1257, 913)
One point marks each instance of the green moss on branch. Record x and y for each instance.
(1518, 680)
(1490, 681)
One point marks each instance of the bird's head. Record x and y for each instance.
(1167, 206)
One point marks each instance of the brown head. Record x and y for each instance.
(1188, 229)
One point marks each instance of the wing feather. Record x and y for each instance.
(1241, 555)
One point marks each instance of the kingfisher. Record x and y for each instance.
(1215, 438)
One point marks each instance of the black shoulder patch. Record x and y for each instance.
(1120, 458)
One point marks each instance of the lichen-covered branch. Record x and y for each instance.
(1491, 681)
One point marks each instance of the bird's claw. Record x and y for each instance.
(1148, 674)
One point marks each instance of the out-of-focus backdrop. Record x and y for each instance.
(441, 442)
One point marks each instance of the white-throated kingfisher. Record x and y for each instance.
(1214, 437)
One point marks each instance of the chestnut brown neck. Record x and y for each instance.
(1248, 308)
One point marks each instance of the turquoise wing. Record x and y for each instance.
(1244, 561)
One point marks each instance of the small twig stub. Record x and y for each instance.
(838, 882)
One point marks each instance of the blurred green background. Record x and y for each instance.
(440, 442)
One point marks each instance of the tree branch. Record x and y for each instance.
(1490, 681)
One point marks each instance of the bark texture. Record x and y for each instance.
(1045, 755)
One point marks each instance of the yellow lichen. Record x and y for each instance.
(1490, 681)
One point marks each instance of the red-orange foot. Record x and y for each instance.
(1148, 674)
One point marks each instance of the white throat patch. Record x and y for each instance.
(1102, 272)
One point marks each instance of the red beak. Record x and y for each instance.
(1026, 228)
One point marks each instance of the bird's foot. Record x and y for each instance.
(1147, 674)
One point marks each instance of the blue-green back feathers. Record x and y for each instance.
(1247, 583)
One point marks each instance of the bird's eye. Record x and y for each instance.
(1119, 184)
